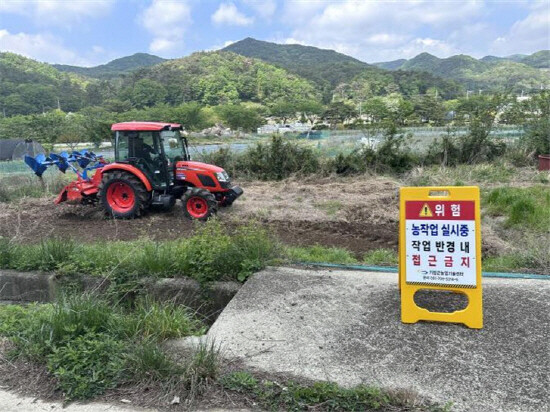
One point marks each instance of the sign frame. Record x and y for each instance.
(472, 315)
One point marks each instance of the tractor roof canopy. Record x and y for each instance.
(145, 126)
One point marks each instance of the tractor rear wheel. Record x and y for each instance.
(122, 195)
(199, 204)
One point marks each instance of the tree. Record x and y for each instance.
(311, 110)
(480, 112)
(375, 109)
(339, 112)
(430, 109)
(191, 116)
(96, 124)
(283, 110)
(237, 116)
(147, 93)
(537, 138)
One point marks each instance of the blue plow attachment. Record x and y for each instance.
(85, 159)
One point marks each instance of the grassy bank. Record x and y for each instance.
(211, 254)
(90, 345)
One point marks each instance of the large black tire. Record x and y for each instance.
(199, 204)
(122, 195)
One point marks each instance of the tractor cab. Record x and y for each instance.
(152, 148)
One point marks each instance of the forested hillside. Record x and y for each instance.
(334, 72)
(213, 78)
(326, 68)
(27, 86)
(492, 73)
(114, 68)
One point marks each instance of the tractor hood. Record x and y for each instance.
(198, 166)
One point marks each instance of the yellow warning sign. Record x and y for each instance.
(440, 249)
(425, 211)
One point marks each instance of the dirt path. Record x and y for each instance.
(358, 214)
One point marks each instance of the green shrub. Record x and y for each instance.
(278, 159)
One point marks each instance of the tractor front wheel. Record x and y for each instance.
(123, 195)
(199, 204)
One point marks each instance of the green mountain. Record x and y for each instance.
(336, 74)
(491, 72)
(540, 59)
(114, 68)
(28, 86)
(327, 68)
(220, 77)
(392, 65)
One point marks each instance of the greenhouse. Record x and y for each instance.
(15, 149)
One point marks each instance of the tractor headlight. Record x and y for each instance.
(222, 176)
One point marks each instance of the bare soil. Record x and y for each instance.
(358, 214)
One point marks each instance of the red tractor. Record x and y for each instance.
(152, 169)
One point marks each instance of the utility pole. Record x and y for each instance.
(58, 104)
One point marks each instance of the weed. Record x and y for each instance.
(318, 253)
(149, 361)
(210, 254)
(240, 382)
(87, 365)
(382, 257)
(202, 368)
(292, 396)
(522, 207)
(91, 345)
(155, 321)
(331, 207)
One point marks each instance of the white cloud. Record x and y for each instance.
(383, 30)
(44, 47)
(228, 14)
(527, 35)
(167, 21)
(263, 8)
(221, 45)
(57, 12)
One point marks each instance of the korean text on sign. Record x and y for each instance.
(440, 242)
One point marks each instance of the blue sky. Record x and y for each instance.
(90, 32)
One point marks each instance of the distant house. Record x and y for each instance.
(15, 149)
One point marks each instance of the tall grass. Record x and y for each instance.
(212, 253)
(17, 186)
(521, 207)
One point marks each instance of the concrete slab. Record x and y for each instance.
(344, 326)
